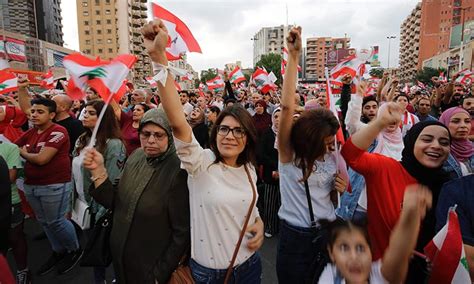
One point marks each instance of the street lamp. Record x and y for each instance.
(388, 60)
(461, 51)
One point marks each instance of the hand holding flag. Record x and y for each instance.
(155, 40)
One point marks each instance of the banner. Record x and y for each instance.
(15, 49)
(34, 77)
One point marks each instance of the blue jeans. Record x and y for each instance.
(50, 204)
(248, 272)
(298, 251)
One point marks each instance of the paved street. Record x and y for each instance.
(39, 251)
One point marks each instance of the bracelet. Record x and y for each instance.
(94, 179)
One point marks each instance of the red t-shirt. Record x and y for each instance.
(386, 180)
(129, 134)
(58, 170)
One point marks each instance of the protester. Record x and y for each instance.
(221, 181)
(349, 245)
(461, 159)
(468, 104)
(271, 183)
(77, 107)
(261, 119)
(211, 116)
(306, 159)
(408, 119)
(426, 148)
(6, 208)
(423, 109)
(150, 232)
(109, 144)
(187, 107)
(48, 184)
(196, 120)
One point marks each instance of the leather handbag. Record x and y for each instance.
(97, 251)
(182, 274)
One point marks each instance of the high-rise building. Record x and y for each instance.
(269, 40)
(38, 19)
(409, 44)
(111, 27)
(317, 49)
(437, 19)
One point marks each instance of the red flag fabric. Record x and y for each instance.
(236, 76)
(48, 80)
(8, 82)
(181, 40)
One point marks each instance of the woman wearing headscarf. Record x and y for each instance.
(150, 201)
(200, 130)
(271, 185)
(389, 142)
(426, 148)
(262, 119)
(461, 160)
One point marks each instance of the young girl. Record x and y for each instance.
(349, 247)
(221, 182)
(305, 157)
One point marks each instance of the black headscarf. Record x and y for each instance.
(432, 178)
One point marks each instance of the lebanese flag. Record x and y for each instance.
(178, 87)
(187, 77)
(442, 78)
(4, 64)
(421, 85)
(446, 253)
(352, 65)
(151, 81)
(332, 103)
(406, 89)
(105, 77)
(8, 82)
(464, 76)
(215, 83)
(262, 81)
(48, 80)
(180, 39)
(236, 76)
(284, 61)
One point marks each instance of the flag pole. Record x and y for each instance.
(99, 119)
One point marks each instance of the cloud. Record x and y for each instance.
(224, 28)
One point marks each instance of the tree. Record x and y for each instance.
(272, 63)
(376, 72)
(208, 74)
(427, 73)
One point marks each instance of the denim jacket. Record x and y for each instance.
(452, 167)
(349, 200)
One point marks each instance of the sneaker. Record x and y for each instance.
(48, 266)
(268, 235)
(23, 276)
(69, 261)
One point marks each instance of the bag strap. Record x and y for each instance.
(310, 203)
(244, 228)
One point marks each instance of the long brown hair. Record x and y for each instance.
(108, 129)
(246, 122)
(307, 137)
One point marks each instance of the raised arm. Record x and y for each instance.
(416, 202)
(391, 114)
(155, 39)
(354, 111)
(287, 102)
(23, 97)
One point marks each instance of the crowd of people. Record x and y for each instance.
(201, 180)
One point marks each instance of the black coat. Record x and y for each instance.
(268, 156)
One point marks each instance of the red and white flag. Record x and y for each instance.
(351, 65)
(8, 82)
(263, 81)
(187, 77)
(284, 61)
(464, 76)
(152, 82)
(180, 40)
(446, 253)
(105, 77)
(48, 80)
(177, 85)
(442, 78)
(421, 85)
(215, 83)
(236, 76)
(406, 89)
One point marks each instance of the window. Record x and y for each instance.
(107, 12)
(107, 2)
(109, 40)
(85, 13)
(84, 4)
(100, 50)
(111, 50)
(99, 41)
(87, 51)
(86, 23)
(97, 12)
(109, 21)
(109, 31)
(87, 32)
(88, 42)
(97, 22)
(99, 32)
(97, 2)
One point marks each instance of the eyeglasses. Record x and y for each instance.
(237, 132)
(160, 136)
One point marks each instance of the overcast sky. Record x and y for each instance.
(224, 28)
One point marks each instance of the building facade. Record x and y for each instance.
(409, 44)
(111, 27)
(269, 40)
(316, 59)
(39, 19)
(437, 19)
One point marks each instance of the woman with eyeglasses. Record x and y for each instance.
(150, 203)
(221, 181)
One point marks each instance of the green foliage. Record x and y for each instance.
(207, 75)
(272, 63)
(376, 72)
(427, 73)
